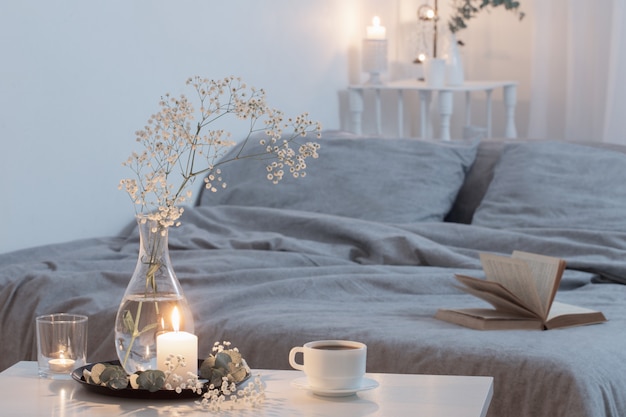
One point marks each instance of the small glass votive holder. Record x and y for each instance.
(61, 344)
(374, 59)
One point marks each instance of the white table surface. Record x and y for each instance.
(23, 393)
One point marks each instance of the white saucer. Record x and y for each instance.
(303, 383)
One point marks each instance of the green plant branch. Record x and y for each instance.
(464, 10)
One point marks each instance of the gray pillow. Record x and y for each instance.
(477, 181)
(556, 185)
(385, 180)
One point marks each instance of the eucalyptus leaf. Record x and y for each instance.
(235, 356)
(226, 363)
(114, 377)
(239, 373)
(133, 381)
(213, 374)
(95, 373)
(207, 367)
(222, 359)
(151, 380)
(216, 377)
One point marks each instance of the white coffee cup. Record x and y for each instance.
(331, 364)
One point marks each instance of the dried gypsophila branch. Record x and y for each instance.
(227, 396)
(177, 139)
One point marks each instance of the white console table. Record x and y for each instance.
(445, 104)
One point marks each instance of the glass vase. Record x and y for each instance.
(455, 75)
(147, 308)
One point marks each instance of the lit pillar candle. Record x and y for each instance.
(178, 343)
(376, 31)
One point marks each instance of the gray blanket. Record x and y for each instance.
(269, 279)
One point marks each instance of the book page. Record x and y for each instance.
(560, 309)
(547, 272)
(516, 276)
(495, 294)
(567, 315)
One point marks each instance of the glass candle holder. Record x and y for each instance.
(61, 344)
(374, 59)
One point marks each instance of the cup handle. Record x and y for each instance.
(292, 358)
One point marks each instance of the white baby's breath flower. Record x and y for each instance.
(179, 139)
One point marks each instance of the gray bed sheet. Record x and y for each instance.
(269, 279)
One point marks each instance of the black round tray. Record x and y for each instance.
(77, 375)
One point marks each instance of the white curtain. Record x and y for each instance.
(578, 91)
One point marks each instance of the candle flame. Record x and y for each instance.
(175, 319)
(376, 21)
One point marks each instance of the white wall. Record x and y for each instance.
(79, 77)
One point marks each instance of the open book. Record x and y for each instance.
(521, 288)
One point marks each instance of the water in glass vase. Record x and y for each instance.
(140, 319)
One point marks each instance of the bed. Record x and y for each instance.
(365, 247)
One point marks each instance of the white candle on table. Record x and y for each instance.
(376, 31)
(178, 343)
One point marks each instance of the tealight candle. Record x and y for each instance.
(178, 343)
(61, 365)
(376, 31)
